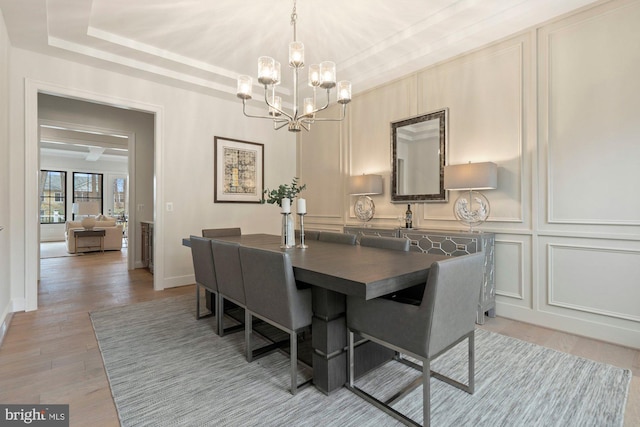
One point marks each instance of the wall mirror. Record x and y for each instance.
(418, 147)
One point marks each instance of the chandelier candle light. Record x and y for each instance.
(321, 75)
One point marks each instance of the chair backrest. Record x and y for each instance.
(450, 299)
(203, 262)
(270, 288)
(221, 232)
(345, 239)
(226, 259)
(395, 243)
(308, 235)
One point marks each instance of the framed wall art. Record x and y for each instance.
(238, 171)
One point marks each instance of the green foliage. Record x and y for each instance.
(284, 190)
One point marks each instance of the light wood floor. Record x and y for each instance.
(51, 355)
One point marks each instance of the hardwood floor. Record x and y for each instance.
(51, 355)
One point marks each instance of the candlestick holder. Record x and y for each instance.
(302, 245)
(285, 238)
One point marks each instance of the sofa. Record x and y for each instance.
(112, 236)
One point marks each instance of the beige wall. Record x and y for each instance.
(556, 108)
(5, 260)
(183, 160)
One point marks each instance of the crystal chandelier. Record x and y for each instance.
(321, 75)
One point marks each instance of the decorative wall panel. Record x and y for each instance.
(593, 279)
(320, 167)
(510, 280)
(485, 94)
(590, 110)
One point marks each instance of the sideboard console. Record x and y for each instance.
(450, 243)
(362, 231)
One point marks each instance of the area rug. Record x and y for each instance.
(166, 368)
(53, 250)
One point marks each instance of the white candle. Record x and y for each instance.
(286, 205)
(302, 206)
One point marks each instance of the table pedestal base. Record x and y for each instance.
(329, 340)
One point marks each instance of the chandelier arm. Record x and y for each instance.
(334, 119)
(266, 99)
(244, 111)
(284, 123)
(324, 107)
(303, 125)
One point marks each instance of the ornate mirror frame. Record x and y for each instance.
(433, 189)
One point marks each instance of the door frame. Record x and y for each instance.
(32, 166)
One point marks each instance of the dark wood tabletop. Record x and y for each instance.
(352, 270)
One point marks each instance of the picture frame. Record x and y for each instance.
(238, 171)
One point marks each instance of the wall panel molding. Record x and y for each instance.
(592, 278)
(514, 273)
(587, 181)
(487, 93)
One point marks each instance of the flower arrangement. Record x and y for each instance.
(283, 191)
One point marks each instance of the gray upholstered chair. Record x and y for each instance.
(394, 243)
(308, 235)
(221, 232)
(204, 270)
(445, 317)
(272, 296)
(345, 239)
(226, 260)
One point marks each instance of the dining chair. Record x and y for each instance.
(226, 260)
(221, 232)
(272, 296)
(343, 238)
(445, 317)
(308, 235)
(205, 275)
(394, 243)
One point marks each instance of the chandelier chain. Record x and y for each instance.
(294, 18)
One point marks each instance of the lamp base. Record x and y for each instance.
(88, 222)
(364, 208)
(471, 208)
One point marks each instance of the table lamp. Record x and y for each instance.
(363, 186)
(88, 209)
(471, 208)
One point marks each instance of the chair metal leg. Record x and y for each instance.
(248, 331)
(197, 301)
(472, 363)
(220, 314)
(198, 315)
(426, 392)
(294, 362)
(351, 367)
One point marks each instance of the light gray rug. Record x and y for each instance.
(166, 368)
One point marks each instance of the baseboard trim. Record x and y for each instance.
(4, 327)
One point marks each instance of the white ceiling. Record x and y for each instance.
(205, 44)
(81, 144)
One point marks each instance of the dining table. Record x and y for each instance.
(333, 271)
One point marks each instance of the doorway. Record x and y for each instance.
(32, 160)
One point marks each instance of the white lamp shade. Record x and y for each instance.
(365, 184)
(89, 208)
(471, 176)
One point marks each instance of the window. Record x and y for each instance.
(119, 197)
(53, 191)
(87, 192)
